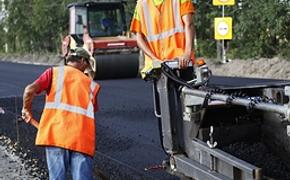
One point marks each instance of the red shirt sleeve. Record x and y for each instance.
(95, 102)
(44, 81)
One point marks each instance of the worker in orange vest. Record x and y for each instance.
(164, 31)
(67, 125)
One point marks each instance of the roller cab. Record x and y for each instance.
(115, 53)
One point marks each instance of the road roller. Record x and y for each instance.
(115, 53)
(222, 128)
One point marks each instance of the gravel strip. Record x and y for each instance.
(11, 166)
(16, 164)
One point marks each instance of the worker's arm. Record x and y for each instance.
(43, 83)
(142, 43)
(29, 92)
(189, 35)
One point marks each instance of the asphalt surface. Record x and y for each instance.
(127, 131)
(14, 77)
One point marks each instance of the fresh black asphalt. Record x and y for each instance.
(127, 131)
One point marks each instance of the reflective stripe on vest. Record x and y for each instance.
(57, 104)
(178, 26)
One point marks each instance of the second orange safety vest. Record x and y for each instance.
(67, 120)
(163, 28)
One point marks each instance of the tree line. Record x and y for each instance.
(261, 28)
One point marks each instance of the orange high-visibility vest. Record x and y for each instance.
(163, 28)
(67, 120)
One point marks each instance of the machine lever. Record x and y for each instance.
(211, 143)
(33, 122)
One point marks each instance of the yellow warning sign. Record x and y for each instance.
(223, 2)
(223, 28)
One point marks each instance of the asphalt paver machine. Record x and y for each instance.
(206, 122)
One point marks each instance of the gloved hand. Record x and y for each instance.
(156, 64)
(149, 71)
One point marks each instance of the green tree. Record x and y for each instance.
(204, 16)
(2, 38)
(262, 28)
(35, 26)
(18, 25)
(47, 22)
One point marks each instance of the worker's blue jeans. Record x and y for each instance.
(60, 160)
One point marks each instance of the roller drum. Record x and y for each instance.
(114, 66)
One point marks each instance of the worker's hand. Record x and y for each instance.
(26, 115)
(156, 63)
(184, 61)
